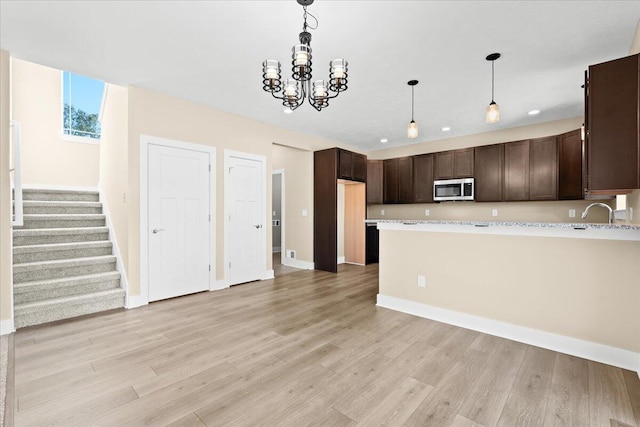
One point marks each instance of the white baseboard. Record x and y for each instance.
(218, 285)
(341, 260)
(307, 265)
(268, 275)
(576, 347)
(133, 301)
(7, 327)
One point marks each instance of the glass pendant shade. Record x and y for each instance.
(338, 75)
(320, 94)
(271, 76)
(493, 113)
(412, 130)
(291, 93)
(301, 62)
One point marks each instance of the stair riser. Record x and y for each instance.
(49, 223)
(25, 318)
(60, 197)
(50, 239)
(61, 210)
(63, 254)
(44, 292)
(57, 272)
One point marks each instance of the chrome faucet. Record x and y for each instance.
(586, 211)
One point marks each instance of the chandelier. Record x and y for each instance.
(293, 91)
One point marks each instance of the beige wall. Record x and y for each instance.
(46, 158)
(581, 288)
(113, 163)
(298, 195)
(162, 116)
(5, 189)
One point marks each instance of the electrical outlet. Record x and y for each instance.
(421, 281)
(630, 214)
(304, 212)
(426, 212)
(494, 212)
(572, 213)
(382, 212)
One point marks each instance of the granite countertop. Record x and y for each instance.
(560, 225)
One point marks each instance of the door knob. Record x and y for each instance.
(157, 230)
(258, 226)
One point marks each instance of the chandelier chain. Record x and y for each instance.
(305, 25)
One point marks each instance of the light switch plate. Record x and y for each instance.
(572, 213)
(421, 281)
(304, 212)
(426, 212)
(382, 212)
(494, 212)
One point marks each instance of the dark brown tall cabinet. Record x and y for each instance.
(543, 169)
(398, 180)
(423, 178)
(612, 122)
(374, 182)
(570, 166)
(489, 173)
(516, 171)
(329, 166)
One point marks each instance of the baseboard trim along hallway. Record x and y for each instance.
(573, 346)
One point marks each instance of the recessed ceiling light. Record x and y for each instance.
(446, 129)
(533, 112)
(288, 111)
(384, 140)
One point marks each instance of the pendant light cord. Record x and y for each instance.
(492, 79)
(412, 102)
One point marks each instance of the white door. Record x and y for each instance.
(245, 237)
(179, 221)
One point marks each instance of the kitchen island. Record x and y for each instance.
(573, 288)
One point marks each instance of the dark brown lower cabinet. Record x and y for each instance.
(489, 173)
(373, 244)
(516, 171)
(570, 166)
(543, 169)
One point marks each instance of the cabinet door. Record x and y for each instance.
(423, 178)
(613, 127)
(359, 163)
(390, 181)
(345, 164)
(570, 166)
(489, 173)
(543, 169)
(374, 182)
(405, 180)
(516, 171)
(463, 163)
(443, 164)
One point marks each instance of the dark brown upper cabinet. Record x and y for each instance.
(516, 171)
(612, 121)
(543, 169)
(453, 164)
(398, 180)
(423, 178)
(352, 166)
(570, 166)
(374, 182)
(489, 173)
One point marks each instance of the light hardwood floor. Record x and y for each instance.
(308, 348)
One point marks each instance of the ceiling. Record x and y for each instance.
(211, 52)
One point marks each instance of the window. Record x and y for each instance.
(81, 105)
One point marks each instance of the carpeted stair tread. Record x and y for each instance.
(62, 195)
(36, 236)
(35, 313)
(41, 270)
(61, 207)
(53, 251)
(38, 290)
(64, 263)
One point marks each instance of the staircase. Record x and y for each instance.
(63, 264)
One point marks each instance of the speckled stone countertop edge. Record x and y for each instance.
(509, 224)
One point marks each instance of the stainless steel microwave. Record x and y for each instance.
(453, 189)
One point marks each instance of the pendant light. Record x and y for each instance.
(493, 110)
(412, 129)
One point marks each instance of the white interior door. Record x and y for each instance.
(245, 238)
(179, 221)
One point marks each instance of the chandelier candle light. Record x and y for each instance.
(493, 110)
(298, 88)
(412, 129)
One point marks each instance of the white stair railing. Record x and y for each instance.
(16, 175)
